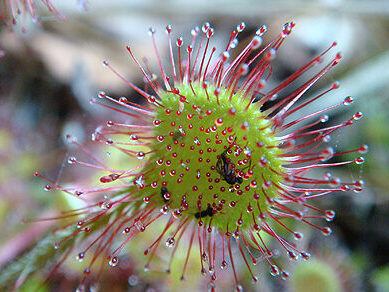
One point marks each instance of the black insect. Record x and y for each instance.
(226, 169)
(164, 191)
(178, 135)
(205, 213)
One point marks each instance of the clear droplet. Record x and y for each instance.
(80, 257)
(256, 42)
(241, 27)
(224, 265)
(140, 155)
(205, 27)
(348, 100)
(357, 116)
(234, 43)
(274, 270)
(170, 242)
(284, 275)
(324, 118)
(261, 30)
(292, 255)
(298, 235)
(306, 256)
(72, 160)
(330, 215)
(363, 149)
(113, 262)
(326, 231)
(360, 160)
(101, 94)
(164, 210)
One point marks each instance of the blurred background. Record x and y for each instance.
(51, 66)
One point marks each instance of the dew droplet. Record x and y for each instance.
(287, 29)
(179, 42)
(271, 54)
(234, 43)
(194, 31)
(123, 99)
(164, 210)
(274, 270)
(292, 255)
(305, 255)
(80, 257)
(205, 27)
(140, 155)
(336, 182)
(327, 153)
(72, 160)
(113, 262)
(327, 176)
(330, 215)
(177, 213)
(101, 94)
(326, 231)
(357, 116)
(348, 100)
(170, 242)
(241, 27)
(363, 149)
(324, 118)
(109, 178)
(78, 193)
(360, 160)
(256, 42)
(359, 183)
(224, 265)
(169, 28)
(261, 30)
(284, 275)
(134, 137)
(298, 235)
(151, 99)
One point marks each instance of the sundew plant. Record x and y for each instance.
(224, 161)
